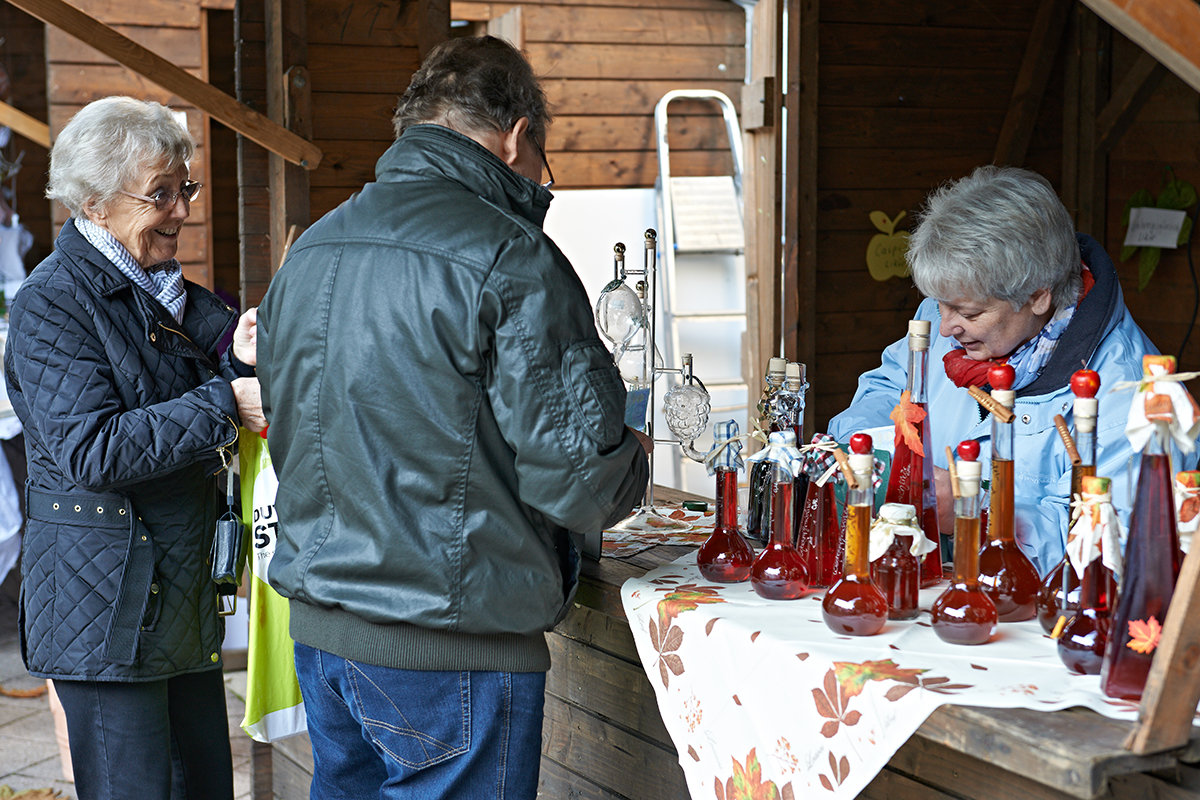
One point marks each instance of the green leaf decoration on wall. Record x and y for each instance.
(1176, 194)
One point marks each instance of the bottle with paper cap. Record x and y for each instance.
(819, 538)
(964, 613)
(1094, 534)
(1005, 571)
(854, 605)
(779, 573)
(1151, 560)
(725, 557)
(910, 480)
(1059, 594)
(758, 509)
(897, 571)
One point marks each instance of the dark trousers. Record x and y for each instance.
(157, 740)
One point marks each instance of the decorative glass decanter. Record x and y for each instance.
(620, 313)
(1093, 550)
(1005, 572)
(725, 557)
(897, 541)
(819, 538)
(964, 613)
(1059, 594)
(686, 405)
(1151, 562)
(758, 509)
(779, 572)
(854, 605)
(911, 477)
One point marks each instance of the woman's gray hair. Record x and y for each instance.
(1000, 232)
(108, 144)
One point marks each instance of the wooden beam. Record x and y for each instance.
(202, 95)
(1127, 100)
(289, 104)
(1169, 30)
(1045, 38)
(21, 123)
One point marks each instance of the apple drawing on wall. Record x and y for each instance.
(885, 252)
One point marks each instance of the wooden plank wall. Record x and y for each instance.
(77, 74)
(23, 54)
(1166, 133)
(361, 58)
(911, 94)
(606, 63)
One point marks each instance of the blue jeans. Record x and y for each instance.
(397, 733)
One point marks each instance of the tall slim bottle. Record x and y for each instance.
(1059, 595)
(820, 539)
(758, 510)
(1096, 535)
(854, 605)
(725, 557)
(1152, 561)
(788, 406)
(1006, 573)
(911, 478)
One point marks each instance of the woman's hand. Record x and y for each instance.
(249, 402)
(245, 338)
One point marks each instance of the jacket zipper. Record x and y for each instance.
(204, 356)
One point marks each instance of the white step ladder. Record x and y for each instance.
(702, 278)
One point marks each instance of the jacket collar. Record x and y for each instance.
(1095, 315)
(434, 151)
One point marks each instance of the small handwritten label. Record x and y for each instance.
(1154, 227)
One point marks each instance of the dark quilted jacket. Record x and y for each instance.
(125, 412)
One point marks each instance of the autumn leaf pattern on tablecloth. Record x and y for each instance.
(1144, 635)
(833, 704)
(937, 685)
(746, 783)
(666, 645)
(840, 767)
(853, 677)
(684, 597)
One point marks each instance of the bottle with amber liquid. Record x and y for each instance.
(1095, 534)
(819, 538)
(779, 572)
(1059, 595)
(911, 477)
(725, 557)
(758, 509)
(1151, 563)
(1005, 572)
(897, 570)
(854, 605)
(964, 613)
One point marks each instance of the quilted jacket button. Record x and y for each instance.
(154, 588)
(143, 538)
(153, 337)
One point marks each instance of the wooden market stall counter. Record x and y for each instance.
(603, 737)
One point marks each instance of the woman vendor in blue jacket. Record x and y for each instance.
(1006, 278)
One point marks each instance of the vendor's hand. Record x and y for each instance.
(945, 500)
(245, 338)
(249, 402)
(646, 442)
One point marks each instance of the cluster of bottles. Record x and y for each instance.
(1099, 628)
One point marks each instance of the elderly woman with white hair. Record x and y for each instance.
(129, 414)
(1007, 279)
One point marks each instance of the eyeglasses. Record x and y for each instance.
(548, 184)
(162, 199)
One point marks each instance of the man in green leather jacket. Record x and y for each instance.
(442, 418)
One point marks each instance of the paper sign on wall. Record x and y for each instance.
(1154, 227)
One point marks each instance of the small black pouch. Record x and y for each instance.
(228, 550)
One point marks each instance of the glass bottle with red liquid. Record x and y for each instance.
(1005, 572)
(896, 540)
(758, 507)
(787, 413)
(819, 538)
(911, 477)
(854, 605)
(725, 557)
(1151, 562)
(1059, 595)
(1092, 551)
(964, 613)
(779, 572)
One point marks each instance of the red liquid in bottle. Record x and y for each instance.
(1082, 642)
(1059, 595)
(897, 575)
(1148, 582)
(964, 614)
(911, 482)
(725, 557)
(1005, 572)
(820, 538)
(854, 604)
(779, 572)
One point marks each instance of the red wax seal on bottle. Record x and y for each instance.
(968, 450)
(1001, 376)
(1085, 383)
(861, 443)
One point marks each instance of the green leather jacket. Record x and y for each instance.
(441, 415)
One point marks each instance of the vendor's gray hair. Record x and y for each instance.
(474, 84)
(1000, 232)
(108, 144)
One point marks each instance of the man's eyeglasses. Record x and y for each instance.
(162, 199)
(541, 152)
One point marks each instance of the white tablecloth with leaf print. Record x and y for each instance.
(762, 700)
